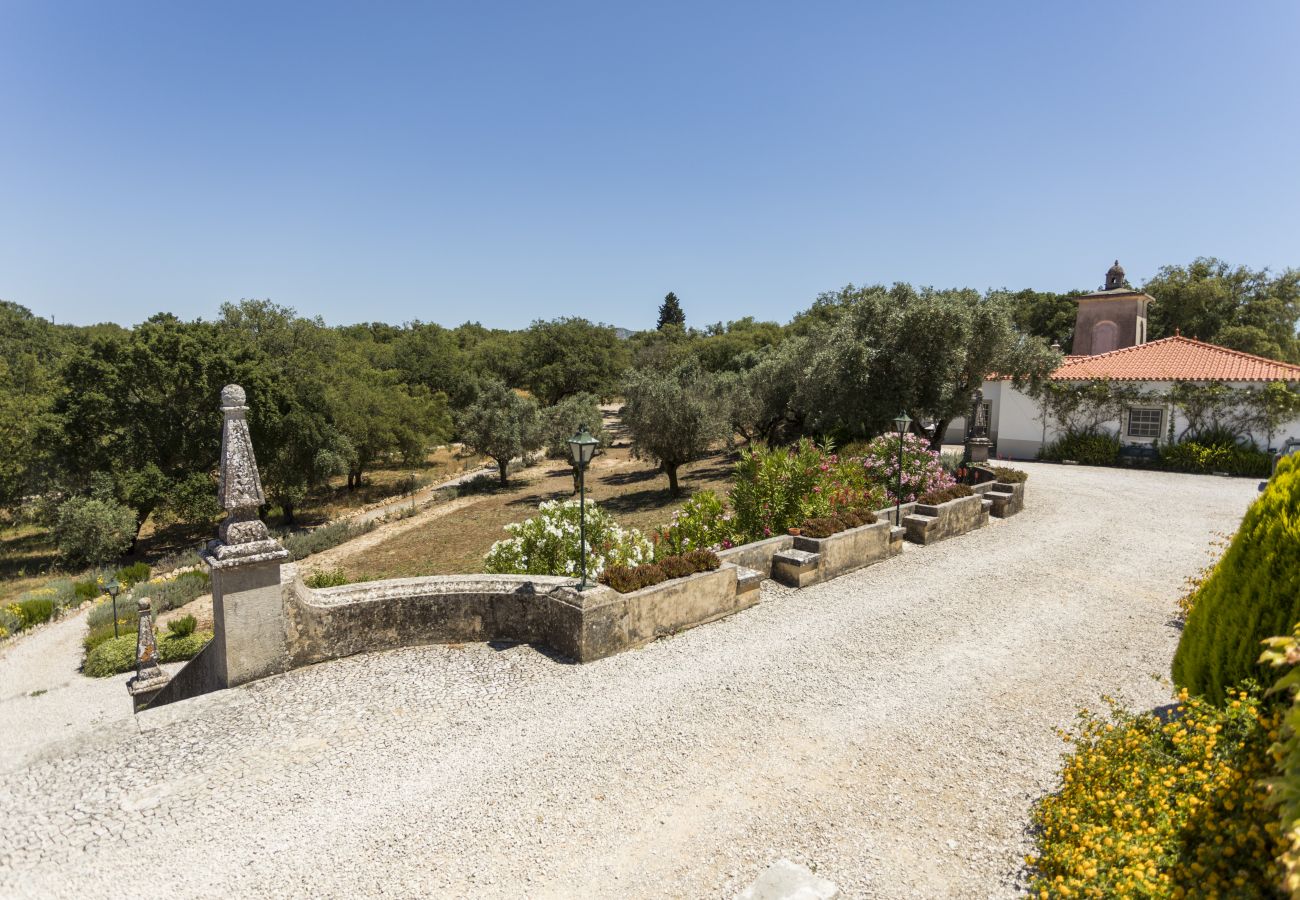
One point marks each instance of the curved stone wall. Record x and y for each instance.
(359, 618)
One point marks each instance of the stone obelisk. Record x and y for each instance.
(249, 625)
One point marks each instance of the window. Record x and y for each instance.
(1144, 423)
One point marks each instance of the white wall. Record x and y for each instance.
(1020, 431)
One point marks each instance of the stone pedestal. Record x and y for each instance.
(149, 677)
(248, 617)
(977, 450)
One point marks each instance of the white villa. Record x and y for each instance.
(1110, 343)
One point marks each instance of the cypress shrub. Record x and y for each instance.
(1252, 594)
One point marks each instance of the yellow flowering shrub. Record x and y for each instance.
(1164, 808)
(1284, 790)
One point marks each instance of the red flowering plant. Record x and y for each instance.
(779, 488)
(922, 470)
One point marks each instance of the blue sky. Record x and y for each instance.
(505, 162)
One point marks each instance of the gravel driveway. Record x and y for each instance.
(889, 729)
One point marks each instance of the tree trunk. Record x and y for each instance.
(287, 508)
(936, 442)
(503, 470)
(671, 472)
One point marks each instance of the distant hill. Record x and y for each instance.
(623, 333)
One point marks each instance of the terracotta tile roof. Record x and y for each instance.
(1175, 359)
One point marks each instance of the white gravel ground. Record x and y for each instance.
(890, 730)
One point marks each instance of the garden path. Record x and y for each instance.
(45, 701)
(890, 729)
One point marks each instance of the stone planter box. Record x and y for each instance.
(612, 622)
(757, 555)
(1008, 499)
(928, 524)
(813, 560)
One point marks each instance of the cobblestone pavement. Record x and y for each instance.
(890, 730)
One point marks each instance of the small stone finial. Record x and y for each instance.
(233, 397)
(1056, 346)
(149, 677)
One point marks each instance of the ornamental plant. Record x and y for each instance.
(1252, 594)
(1171, 806)
(548, 543)
(703, 523)
(1284, 790)
(923, 469)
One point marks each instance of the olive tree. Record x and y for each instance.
(673, 417)
(501, 424)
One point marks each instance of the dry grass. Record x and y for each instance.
(634, 491)
(382, 483)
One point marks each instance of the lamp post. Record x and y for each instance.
(901, 421)
(113, 589)
(582, 446)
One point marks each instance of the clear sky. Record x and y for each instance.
(505, 162)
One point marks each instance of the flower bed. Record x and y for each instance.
(626, 579)
(815, 559)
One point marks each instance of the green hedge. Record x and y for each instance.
(117, 655)
(1089, 448)
(1234, 459)
(1252, 594)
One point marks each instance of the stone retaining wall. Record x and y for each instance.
(936, 523)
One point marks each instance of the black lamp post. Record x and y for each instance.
(900, 422)
(113, 589)
(582, 446)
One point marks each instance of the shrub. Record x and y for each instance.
(626, 579)
(178, 648)
(782, 487)
(1252, 594)
(1156, 808)
(922, 469)
(1284, 793)
(111, 657)
(548, 544)
(327, 578)
(1092, 448)
(102, 612)
(173, 593)
(943, 495)
(182, 627)
(133, 574)
(86, 590)
(701, 523)
(1007, 475)
(1234, 459)
(117, 655)
(35, 610)
(951, 461)
(10, 622)
(91, 532)
(304, 543)
(100, 633)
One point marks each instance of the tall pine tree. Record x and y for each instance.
(670, 312)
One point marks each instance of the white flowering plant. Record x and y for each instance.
(548, 543)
